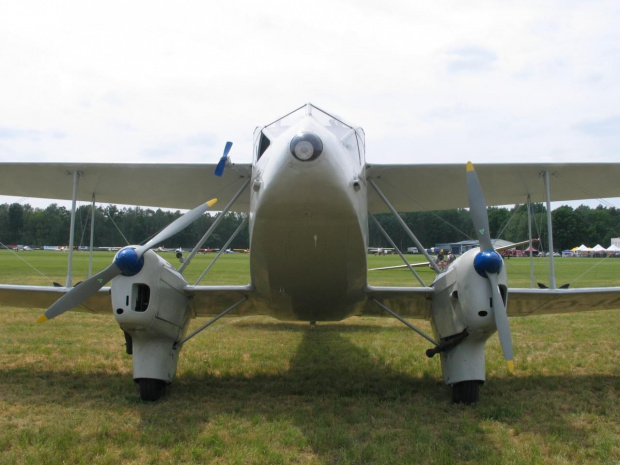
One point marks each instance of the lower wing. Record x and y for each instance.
(203, 300)
(415, 302)
(524, 302)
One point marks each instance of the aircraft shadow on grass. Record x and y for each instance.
(336, 393)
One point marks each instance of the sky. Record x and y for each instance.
(430, 82)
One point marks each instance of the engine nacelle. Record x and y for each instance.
(152, 300)
(153, 309)
(464, 302)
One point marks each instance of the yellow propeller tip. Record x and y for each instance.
(470, 166)
(42, 319)
(511, 366)
(211, 202)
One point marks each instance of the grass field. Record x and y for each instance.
(260, 391)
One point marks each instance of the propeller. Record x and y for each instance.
(128, 262)
(488, 263)
(219, 169)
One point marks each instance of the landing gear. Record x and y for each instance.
(466, 392)
(151, 390)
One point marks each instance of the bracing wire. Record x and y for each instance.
(26, 262)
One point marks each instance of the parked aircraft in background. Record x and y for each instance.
(380, 250)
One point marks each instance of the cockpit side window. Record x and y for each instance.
(263, 144)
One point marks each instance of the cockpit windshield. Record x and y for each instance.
(348, 134)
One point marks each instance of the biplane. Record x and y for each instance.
(309, 194)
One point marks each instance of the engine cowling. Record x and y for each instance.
(152, 300)
(153, 309)
(463, 301)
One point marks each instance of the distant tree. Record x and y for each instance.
(499, 218)
(16, 223)
(4, 223)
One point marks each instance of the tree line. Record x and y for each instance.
(114, 227)
(22, 224)
(571, 226)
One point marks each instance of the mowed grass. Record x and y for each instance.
(256, 390)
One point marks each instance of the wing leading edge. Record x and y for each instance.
(415, 302)
(441, 187)
(45, 296)
(204, 300)
(180, 186)
(524, 302)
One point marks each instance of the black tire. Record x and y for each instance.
(151, 390)
(466, 392)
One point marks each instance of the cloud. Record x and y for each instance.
(470, 59)
(32, 135)
(604, 127)
(192, 144)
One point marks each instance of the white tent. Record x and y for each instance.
(598, 248)
(582, 250)
(613, 248)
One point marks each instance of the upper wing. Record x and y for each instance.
(162, 185)
(442, 187)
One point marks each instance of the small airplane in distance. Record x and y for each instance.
(208, 250)
(310, 195)
(380, 250)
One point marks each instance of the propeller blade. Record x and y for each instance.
(80, 293)
(176, 226)
(478, 208)
(127, 261)
(501, 321)
(219, 169)
(488, 262)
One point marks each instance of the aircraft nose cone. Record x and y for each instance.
(306, 146)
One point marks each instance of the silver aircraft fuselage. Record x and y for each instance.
(308, 217)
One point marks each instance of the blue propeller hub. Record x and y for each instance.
(488, 261)
(127, 261)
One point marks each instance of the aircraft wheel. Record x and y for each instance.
(466, 392)
(151, 389)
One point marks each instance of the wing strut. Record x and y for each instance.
(550, 231)
(76, 177)
(222, 250)
(217, 221)
(92, 237)
(406, 323)
(209, 323)
(529, 235)
(387, 236)
(405, 227)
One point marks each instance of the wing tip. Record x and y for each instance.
(42, 319)
(470, 166)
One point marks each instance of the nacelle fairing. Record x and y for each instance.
(465, 297)
(463, 302)
(152, 299)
